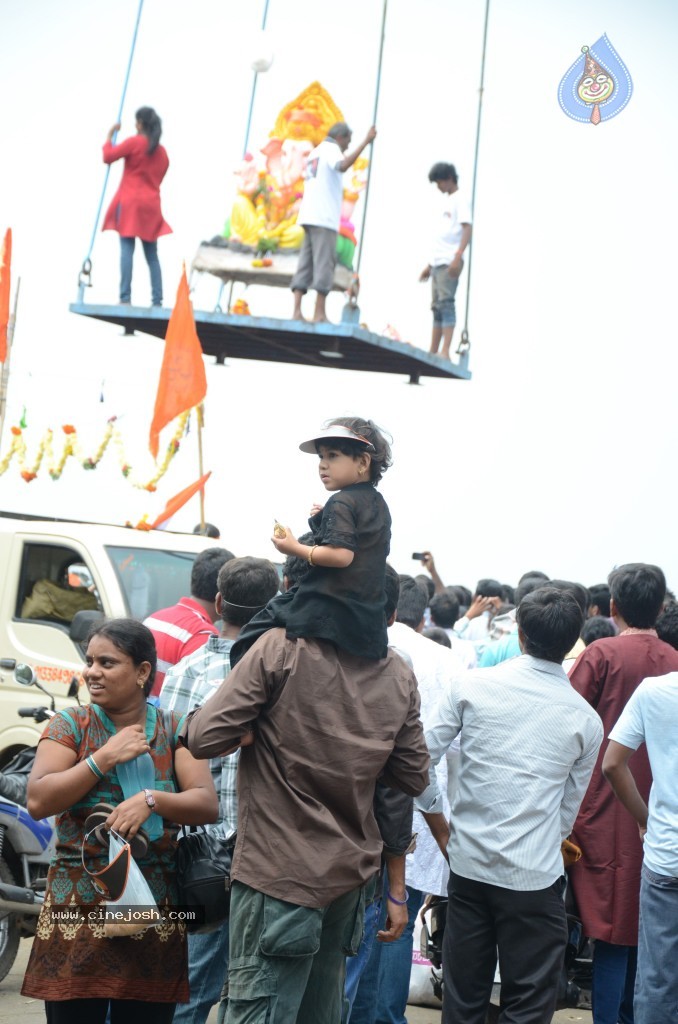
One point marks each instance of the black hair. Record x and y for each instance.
(426, 581)
(294, 567)
(534, 572)
(599, 595)
(412, 602)
(578, 591)
(445, 609)
(489, 588)
(246, 586)
(443, 172)
(527, 584)
(508, 594)
(463, 594)
(550, 620)
(380, 455)
(208, 530)
(391, 591)
(667, 624)
(205, 571)
(132, 638)
(438, 635)
(597, 627)
(151, 126)
(638, 591)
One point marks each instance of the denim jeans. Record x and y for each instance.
(395, 967)
(207, 969)
(126, 262)
(614, 976)
(656, 997)
(356, 965)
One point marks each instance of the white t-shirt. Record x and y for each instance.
(456, 210)
(650, 716)
(323, 187)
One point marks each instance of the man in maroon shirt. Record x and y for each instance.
(186, 626)
(606, 881)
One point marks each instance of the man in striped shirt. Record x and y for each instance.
(528, 746)
(187, 625)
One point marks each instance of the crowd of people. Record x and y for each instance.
(371, 739)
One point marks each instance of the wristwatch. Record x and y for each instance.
(150, 799)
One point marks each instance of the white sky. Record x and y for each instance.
(559, 455)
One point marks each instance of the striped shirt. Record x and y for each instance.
(178, 631)
(528, 746)
(188, 685)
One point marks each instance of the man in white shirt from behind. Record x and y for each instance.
(528, 747)
(425, 871)
(320, 215)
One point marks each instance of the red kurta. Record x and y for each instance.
(135, 210)
(606, 881)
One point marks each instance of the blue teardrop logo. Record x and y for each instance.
(597, 86)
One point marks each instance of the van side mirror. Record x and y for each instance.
(82, 624)
(25, 675)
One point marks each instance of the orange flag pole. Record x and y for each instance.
(201, 423)
(4, 377)
(183, 382)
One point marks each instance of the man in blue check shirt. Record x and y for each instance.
(245, 586)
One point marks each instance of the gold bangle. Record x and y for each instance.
(310, 555)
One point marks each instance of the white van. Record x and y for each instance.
(57, 577)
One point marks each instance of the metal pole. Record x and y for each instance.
(254, 87)
(201, 422)
(464, 343)
(85, 275)
(4, 377)
(374, 121)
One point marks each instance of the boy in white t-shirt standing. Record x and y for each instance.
(320, 215)
(651, 716)
(451, 239)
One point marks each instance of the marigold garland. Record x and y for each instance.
(73, 448)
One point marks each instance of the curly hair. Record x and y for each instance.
(381, 458)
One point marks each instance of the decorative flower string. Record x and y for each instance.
(73, 448)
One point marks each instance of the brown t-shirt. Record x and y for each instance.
(326, 725)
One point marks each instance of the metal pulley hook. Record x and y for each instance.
(464, 343)
(85, 275)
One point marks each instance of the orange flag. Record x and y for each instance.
(183, 383)
(179, 500)
(5, 261)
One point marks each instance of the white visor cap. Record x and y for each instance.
(335, 432)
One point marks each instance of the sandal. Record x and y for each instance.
(95, 824)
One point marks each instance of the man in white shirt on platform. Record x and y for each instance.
(451, 239)
(320, 215)
(528, 746)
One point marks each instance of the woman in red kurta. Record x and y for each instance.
(135, 210)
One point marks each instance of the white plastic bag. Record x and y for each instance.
(421, 979)
(136, 910)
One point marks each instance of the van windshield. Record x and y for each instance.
(151, 579)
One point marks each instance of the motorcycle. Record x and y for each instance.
(26, 846)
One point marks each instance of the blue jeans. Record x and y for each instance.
(385, 984)
(126, 262)
(356, 965)
(395, 967)
(657, 980)
(614, 975)
(207, 969)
